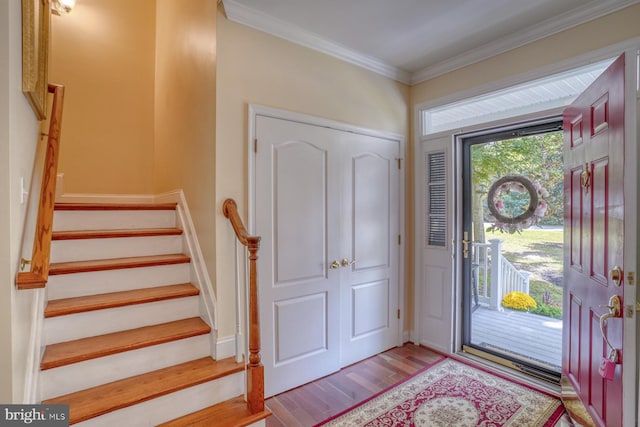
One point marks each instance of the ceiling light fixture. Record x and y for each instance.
(62, 7)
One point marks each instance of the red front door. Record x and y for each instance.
(594, 236)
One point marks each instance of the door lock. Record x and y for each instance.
(346, 263)
(616, 275)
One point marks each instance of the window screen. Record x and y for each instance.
(436, 199)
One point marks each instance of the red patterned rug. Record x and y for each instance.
(451, 393)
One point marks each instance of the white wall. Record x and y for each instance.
(5, 229)
(19, 130)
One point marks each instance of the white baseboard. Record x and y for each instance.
(226, 347)
(32, 374)
(435, 346)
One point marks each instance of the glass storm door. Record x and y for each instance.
(512, 246)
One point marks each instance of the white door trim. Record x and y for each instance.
(259, 110)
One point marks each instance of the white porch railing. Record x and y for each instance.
(493, 276)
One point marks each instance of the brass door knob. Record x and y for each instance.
(346, 263)
(335, 264)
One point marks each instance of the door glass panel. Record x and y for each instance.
(513, 219)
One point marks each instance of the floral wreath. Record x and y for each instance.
(535, 211)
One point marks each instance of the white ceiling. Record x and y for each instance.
(414, 40)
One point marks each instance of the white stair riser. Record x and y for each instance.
(101, 282)
(100, 322)
(171, 406)
(120, 247)
(113, 220)
(90, 373)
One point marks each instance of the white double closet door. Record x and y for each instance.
(327, 209)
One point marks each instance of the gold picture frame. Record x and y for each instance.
(36, 16)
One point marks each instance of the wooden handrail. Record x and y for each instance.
(255, 370)
(38, 274)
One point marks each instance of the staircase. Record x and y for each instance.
(126, 340)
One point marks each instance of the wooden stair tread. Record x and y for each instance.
(73, 305)
(114, 206)
(102, 234)
(66, 353)
(231, 413)
(116, 263)
(95, 401)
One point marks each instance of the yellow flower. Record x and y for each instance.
(518, 301)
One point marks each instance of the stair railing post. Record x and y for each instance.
(255, 372)
(496, 274)
(526, 278)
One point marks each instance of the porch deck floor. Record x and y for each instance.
(517, 333)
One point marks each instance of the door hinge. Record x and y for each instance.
(398, 313)
(399, 161)
(399, 239)
(255, 145)
(465, 244)
(631, 278)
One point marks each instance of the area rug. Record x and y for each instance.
(451, 393)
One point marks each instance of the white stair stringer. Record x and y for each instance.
(116, 247)
(173, 405)
(199, 273)
(90, 373)
(100, 322)
(102, 282)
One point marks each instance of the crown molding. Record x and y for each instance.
(546, 28)
(263, 22)
(260, 21)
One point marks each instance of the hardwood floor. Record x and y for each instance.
(314, 402)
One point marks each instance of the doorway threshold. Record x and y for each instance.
(512, 370)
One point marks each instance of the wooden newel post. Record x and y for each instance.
(255, 370)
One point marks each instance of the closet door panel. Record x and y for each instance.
(295, 215)
(369, 281)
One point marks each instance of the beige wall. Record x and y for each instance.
(185, 110)
(255, 68)
(591, 36)
(103, 52)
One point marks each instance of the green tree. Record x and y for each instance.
(538, 157)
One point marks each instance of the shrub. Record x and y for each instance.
(554, 311)
(519, 301)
